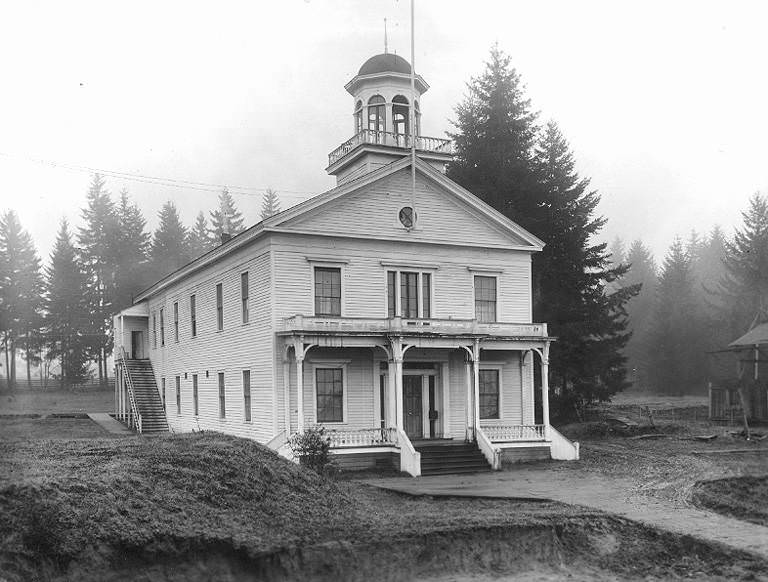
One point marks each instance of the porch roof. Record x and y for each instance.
(758, 335)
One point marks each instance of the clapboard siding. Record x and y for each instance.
(236, 348)
(364, 281)
(373, 211)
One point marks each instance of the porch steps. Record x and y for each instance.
(147, 397)
(447, 457)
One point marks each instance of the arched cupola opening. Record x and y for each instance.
(358, 117)
(400, 115)
(376, 113)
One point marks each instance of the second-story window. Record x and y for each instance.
(244, 295)
(154, 330)
(409, 294)
(162, 328)
(176, 321)
(376, 113)
(327, 291)
(193, 314)
(219, 307)
(485, 298)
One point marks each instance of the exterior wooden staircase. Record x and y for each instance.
(145, 396)
(445, 457)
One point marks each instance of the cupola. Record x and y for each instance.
(382, 100)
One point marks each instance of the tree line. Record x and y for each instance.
(707, 292)
(59, 315)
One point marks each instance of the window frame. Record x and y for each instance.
(495, 277)
(247, 396)
(328, 266)
(154, 330)
(222, 385)
(420, 297)
(178, 395)
(162, 392)
(193, 314)
(195, 396)
(219, 307)
(245, 293)
(331, 365)
(498, 370)
(379, 117)
(162, 328)
(176, 321)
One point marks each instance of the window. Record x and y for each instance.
(219, 307)
(489, 394)
(376, 113)
(400, 115)
(244, 295)
(409, 294)
(222, 397)
(418, 117)
(358, 117)
(154, 330)
(247, 394)
(162, 391)
(193, 314)
(162, 328)
(176, 321)
(485, 298)
(195, 406)
(178, 394)
(330, 394)
(327, 291)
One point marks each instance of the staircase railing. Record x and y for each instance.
(410, 458)
(135, 414)
(489, 450)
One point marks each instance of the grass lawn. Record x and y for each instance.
(741, 497)
(32, 401)
(207, 506)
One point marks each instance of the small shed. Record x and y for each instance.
(738, 378)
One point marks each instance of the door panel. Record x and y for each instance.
(137, 345)
(412, 409)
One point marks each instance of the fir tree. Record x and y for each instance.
(170, 245)
(226, 219)
(131, 261)
(200, 241)
(270, 204)
(745, 285)
(67, 319)
(21, 288)
(98, 242)
(678, 348)
(640, 309)
(617, 252)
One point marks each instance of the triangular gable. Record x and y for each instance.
(758, 335)
(369, 207)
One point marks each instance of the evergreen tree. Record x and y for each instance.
(575, 285)
(617, 252)
(133, 242)
(170, 244)
(21, 286)
(745, 285)
(270, 204)
(226, 219)
(98, 241)
(640, 309)
(67, 310)
(199, 240)
(678, 348)
(709, 271)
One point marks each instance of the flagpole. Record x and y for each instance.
(412, 110)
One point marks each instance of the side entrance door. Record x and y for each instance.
(137, 345)
(412, 410)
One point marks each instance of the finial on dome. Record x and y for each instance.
(385, 36)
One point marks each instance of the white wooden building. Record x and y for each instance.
(394, 309)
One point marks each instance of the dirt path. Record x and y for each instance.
(614, 495)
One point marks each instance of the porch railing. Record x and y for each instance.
(363, 437)
(388, 138)
(514, 432)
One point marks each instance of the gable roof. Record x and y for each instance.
(280, 222)
(755, 336)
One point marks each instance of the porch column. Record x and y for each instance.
(300, 389)
(397, 357)
(391, 394)
(470, 407)
(545, 389)
(287, 392)
(476, 376)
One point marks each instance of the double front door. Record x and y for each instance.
(420, 410)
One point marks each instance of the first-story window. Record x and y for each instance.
(327, 291)
(489, 394)
(409, 294)
(195, 405)
(162, 391)
(222, 397)
(178, 394)
(247, 394)
(329, 384)
(485, 299)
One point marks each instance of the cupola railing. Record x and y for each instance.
(390, 139)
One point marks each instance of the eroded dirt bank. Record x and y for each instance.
(598, 549)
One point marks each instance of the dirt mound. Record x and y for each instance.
(744, 498)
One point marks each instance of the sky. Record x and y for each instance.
(665, 104)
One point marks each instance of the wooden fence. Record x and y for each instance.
(54, 384)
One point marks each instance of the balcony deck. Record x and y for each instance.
(368, 326)
(433, 145)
